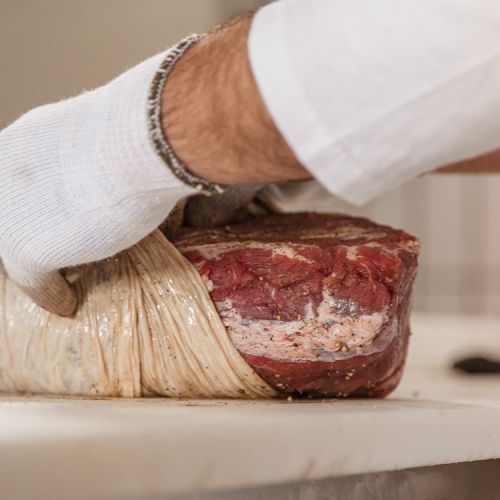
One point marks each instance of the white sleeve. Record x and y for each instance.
(371, 94)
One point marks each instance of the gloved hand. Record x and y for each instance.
(219, 209)
(80, 181)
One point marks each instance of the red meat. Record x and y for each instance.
(317, 304)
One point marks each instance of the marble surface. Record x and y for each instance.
(73, 448)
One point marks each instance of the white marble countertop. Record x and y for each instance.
(71, 449)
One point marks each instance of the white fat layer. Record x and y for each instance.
(351, 253)
(290, 252)
(347, 232)
(324, 335)
(212, 251)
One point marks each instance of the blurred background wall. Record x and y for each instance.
(50, 49)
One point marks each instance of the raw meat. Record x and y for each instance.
(317, 304)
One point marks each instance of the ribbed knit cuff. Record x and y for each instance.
(160, 142)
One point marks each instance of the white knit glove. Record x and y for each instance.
(80, 180)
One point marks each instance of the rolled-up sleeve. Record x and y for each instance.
(371, 94)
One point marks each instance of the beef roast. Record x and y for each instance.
(316, 304)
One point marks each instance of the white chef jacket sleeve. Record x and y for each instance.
(371, 94)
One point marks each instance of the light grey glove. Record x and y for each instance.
(217, 210)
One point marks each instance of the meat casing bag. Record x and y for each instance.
(284, 304)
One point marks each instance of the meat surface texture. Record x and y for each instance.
(317, 304)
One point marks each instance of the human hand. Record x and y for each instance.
(209, 211)
(79, 182)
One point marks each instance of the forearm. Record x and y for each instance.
(486, 164)
(214, 117)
